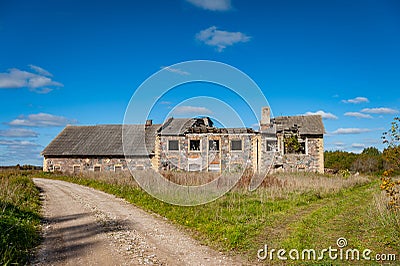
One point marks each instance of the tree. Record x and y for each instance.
(370, 160)
(372, 151)
(392, 156)
(391, 138)
(339, 160)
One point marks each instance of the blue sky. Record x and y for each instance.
(79, 62)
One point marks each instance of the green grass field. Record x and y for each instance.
(19, 217)
(290, 211)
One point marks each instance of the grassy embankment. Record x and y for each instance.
(19, 217)
(288, 211)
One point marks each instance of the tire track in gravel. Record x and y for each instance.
(89, 227)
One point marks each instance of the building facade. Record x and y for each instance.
(287, 143)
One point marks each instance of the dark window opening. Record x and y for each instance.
(97, 168)
(173, 145)
(294, 145)
(194, 145)
(117, 168)
(76, 168)
(236, 145)
(272, 145)
(213, 145)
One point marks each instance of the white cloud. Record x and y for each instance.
(213, 5)
(20, 152)
(221, 39)
(18, 143)
(15, 78)
(358, 145)
(39, 83)
(40, 71)
(18, 133)
(380, 110)
(358, 115)
(343, 131)
(42, 120)
(176, 70)
(323, 114)
(41, 90)
(339, 144)
(357, 100)
(187, 109)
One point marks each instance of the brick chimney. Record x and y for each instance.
(149, 122)
(265, 118)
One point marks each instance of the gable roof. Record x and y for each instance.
(103, 140)
(306, 124)
(177, 126)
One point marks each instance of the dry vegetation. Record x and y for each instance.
(274, 186)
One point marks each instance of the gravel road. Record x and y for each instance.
(83, 226)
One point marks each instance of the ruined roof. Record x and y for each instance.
(103, 140)
(306, 124)
(178, 126)
(182, 126)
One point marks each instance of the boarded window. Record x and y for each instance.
(194, 167)
(173, 145)
(236, 145)
(213, 145)
(97, 168)
(194, 144)
(272, 145)
(76, 168)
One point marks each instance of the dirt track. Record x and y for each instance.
(84, 226)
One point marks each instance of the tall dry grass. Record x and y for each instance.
(387, 218)
(273, 186)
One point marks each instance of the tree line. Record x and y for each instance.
(370, 160)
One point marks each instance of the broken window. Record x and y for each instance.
(213, 145)
(194, 145)
(236, 145)
(272, 145)
(173, 145)
(294, 145)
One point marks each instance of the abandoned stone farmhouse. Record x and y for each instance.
(285, 143)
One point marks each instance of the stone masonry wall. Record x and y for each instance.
(102, 164)
(312, 161)
(205, 160)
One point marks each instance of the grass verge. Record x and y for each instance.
(288, 211)
(19, 217)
